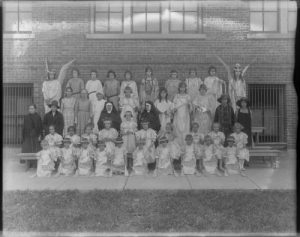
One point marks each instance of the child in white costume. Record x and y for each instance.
(128, 82)
(241, 140)
(55, 141)
(210, 161)
(103, 160)
(218, 139)
(128, 130)
(230, 158)
(163, 158)
(85, 158)
(189, 156)
(92, 137)
(94, 86)
(129, 103)
(97, 107)
(119, 157)
(193, 83)
(140, 158)
(198, 137)
(46, 158)
(108, 134)
(75, 139)
(67, 158)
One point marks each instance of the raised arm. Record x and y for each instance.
(225, 65)
(246, 68)
(63, 71)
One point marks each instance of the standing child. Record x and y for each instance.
(112, 88)
(182, 109)
(149, 87)
(92, 137)
(230, 158)
(85, 158)
(189, 156)
(164, 107)
(97, 107)
(108, 134)
(241, 140)
(172, 84)
(150, 136)
(224, 115)
(67, 164)
(128, 130)
(243, 116)
(129, 82)
(139, 156)
(46, 159)
(93, 86)
(210, 161)
(103, 161)
(163, 158)
(129, 103)
(119, 157)
(68, 109)
(76, 83)
(193, 83)
(198, 137)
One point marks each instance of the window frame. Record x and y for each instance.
(288, 12)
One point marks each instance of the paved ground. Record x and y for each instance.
(259, 176)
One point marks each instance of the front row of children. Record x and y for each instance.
(201, 155)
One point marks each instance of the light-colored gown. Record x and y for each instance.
(77, 86)
(237, 90)
(112, 91)
(218, 139)
(45, 164)
(68, 111)
(164, 166)
(203, 105)
(51, 91)
(85, 161)
(132, 85)
(83, 112)
(172, 87)
(110, 133)
(129, 104)
(140, 161)
(165, 111)
(231, 161)
(181, 120)
(97, 107)
(189, 159)
(67, 163)
(129, 139)
(118, 162)
(209, 158)
(149, 90)
(241, 140)
(93, 87)
(102, 162)
(193, 85)
(214, 88)
(150, 136)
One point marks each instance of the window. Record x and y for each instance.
(184, 16)
(146, 17)
(264, 16)
(108, 17)
(292, 16)
(268, 111)
(17, 17)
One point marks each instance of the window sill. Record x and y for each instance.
(145, 36)
(270, 36)
(18, 36)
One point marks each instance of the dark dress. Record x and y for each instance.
(114, 115)
(245, 120)
(57, 120)
(32, 129)
(225, 116)
(152, 116)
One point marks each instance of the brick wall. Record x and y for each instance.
(60, 29)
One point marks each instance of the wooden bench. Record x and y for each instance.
(27, 157)
(273, 155)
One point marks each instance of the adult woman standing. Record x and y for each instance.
(68, 109)
(32, 131)
(83, 111)
(76, 83)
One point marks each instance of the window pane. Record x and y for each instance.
(115, 22)
(102, 6)
(139, 22)
(292, 21)
(190, 21)
(153, 22)
(256, 21)
(292, 6)
(101, 23)
(153, 6)
(270, 5)
(25, 23)
(11, 21)
(176, 6)
(256, 5)
(176, 21)
(270, 21)
(116, 6)
(25, 6)
(139, 6)
(190, 6)
(10, 6)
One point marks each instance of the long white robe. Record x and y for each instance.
(51, 90)
(94, 86)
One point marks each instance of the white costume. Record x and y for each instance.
(150, 136)
(193, 85)
(128, 104)
(165, 111)
(110, 133)
(97, 107)
(67, 161)
(52, 91)
(102, 162)
(214, 88)
(93, 87)
(231, 161)
(85, 161)
(164, 166)
(241, 140)
(218, 139)
(209, 159)
(45, 164)
(140, 161)
(129, 139)
(119, 155)
(132, 85)
(189, 159)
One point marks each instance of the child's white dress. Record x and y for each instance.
(189, 159)
(241, 141)
(110, 133)
(129, 139)
(139, 161)
(150, 136)
(231, 161)
(118, 162)
(92, 139)
(93, 87)
(67, 164)
(85, 161)
(214, 87)
(53, 141)
(128, 104)
(164, 166)
(102, 162)
(193, 85)
(75, 140)
(198, 138)
(165, 108)
(218, 139)
(51, 90)
(45, 164)
(97, 107)
(132, 85)
(210, 161)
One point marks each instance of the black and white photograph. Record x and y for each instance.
(149, 118)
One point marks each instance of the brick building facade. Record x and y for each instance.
(62, 31)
